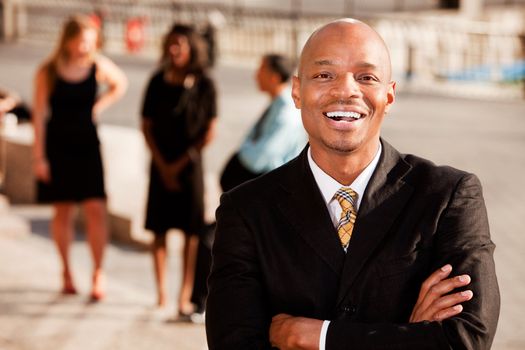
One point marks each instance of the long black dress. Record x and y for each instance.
(72, 145)
(180, 118)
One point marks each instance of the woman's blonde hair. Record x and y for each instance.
(72, 28)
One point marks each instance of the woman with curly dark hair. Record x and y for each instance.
(178, 118)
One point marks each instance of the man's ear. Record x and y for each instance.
(296, 91)
(390, 95)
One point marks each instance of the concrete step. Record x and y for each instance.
(12, 225)
(4, 204)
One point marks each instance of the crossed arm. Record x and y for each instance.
(436, 302)
(445, 311)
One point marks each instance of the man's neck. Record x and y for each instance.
(344, 167)
(276, 91)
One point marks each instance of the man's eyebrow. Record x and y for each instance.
(327, 62)
(366, 65)
(324, 63)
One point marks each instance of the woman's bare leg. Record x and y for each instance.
(188, 273)
(62, 231)
(97, 236)
(159, 263)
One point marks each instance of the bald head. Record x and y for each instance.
(344, 91)
(354, 35)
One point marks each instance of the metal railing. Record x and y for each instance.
(428, 53)
(465, 57)
(242, 33)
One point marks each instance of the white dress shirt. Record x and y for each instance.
(328, 187)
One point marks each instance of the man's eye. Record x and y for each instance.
(367, 78)
(322, 76)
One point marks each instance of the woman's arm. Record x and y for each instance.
(109, 73)
(39, 114)
(209, 136)
(175, 167)
(156, 156)
(169, 180)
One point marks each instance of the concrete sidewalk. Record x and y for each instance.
(33, 315)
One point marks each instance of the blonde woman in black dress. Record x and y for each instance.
(67, 160)
(178, 120)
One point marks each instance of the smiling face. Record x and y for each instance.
(83, 45)
(343, 89)
(180, 51)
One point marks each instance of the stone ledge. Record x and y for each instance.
(11, 225)
(125, 160)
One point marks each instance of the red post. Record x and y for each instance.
(135, 34)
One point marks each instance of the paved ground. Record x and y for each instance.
(484, 137)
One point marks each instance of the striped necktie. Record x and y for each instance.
(347, 199)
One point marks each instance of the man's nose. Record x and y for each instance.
(346, 86)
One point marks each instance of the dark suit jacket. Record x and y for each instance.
(276, 251)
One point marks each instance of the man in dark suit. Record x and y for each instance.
(351, 245)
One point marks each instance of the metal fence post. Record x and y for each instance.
(409, 73)
(8, 19)
(296, 8)
(14, 19)
(522, 43)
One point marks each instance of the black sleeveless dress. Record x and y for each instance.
(179, 118)
(72, 144)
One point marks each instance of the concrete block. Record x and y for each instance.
(125, 158)
(4, 205)
(126, 161)
(13, 226)
(18, 180)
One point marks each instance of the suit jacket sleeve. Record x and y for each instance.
(236, 311)
(462, 239)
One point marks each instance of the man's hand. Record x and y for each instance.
(434, 303)
(288, 332)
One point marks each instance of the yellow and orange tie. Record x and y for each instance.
(347, 198)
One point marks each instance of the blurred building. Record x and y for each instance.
(463, 46)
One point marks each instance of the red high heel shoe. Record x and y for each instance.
(98, 293)
(68, 287)
(69, 290)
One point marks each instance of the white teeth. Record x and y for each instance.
(343, 114)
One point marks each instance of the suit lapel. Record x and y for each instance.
(305, 209)
(382, 202)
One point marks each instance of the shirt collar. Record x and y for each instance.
(286, 93)
(328, 186)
